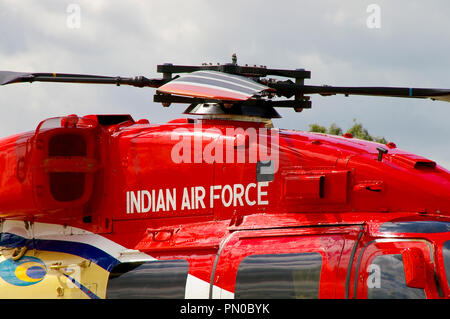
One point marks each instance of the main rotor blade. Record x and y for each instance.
(8, 77)
(289, 89)
(213, 85)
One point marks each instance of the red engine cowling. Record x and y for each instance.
(50, 170)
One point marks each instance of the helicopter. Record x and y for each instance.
(218, 204)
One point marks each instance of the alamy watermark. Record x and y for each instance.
(237, 145)
(374, 277)
(73, 19)
(373, 21)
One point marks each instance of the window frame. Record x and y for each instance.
(446, 261)
(329, 241)
(388, 246)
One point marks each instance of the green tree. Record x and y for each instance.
(357, 131)
(317, 128)
(334, 129)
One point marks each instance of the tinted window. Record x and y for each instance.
(446, 251)
(279, 276)
(426, 226)
(156, 279)
(387, 280)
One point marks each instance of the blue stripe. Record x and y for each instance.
(410, 91)
(12, 241)
(86, 251)
(89, 293)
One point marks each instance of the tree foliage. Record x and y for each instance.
(357, 131)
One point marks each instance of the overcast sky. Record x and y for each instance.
(409, 45)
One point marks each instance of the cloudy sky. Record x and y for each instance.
(341, 42)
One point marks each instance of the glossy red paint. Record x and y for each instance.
(326, 194)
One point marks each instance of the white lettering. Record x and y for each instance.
(261, 193)
(374, 19)
(135, 202)
(193, 309)
(247, 200)
(185, 203)
(241, 145)
(246, 308)
(73, 20)
(238, 191)
(144, 209)
(198, 143)
(374, 278)
(213, 196)
(199, 195)
(213, 151)
(160, 204)
(230, 195)
(128, 202)
(171, 199)
(153, 199)
(196, 197)
(181, 151)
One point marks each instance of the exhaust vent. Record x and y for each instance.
(424, 164)
(67, 145)
(413, 161)
(65, 184)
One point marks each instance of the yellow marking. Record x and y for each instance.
(21, 271)
(54, 284)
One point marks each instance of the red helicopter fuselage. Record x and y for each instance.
(218, 208)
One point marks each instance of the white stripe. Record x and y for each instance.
(16, 227)
(44, 231)
(219, 80)
(261, 88)
(196, 288)
(231, 76)
(207, 86)
(219, 293)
